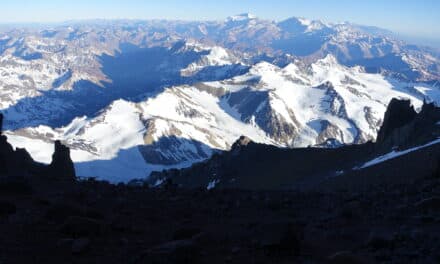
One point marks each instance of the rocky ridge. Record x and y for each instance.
(249, 165)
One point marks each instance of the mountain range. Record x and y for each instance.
(132, 97)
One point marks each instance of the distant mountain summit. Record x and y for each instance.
(241, 17)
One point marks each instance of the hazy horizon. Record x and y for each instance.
(414, 21)
(410, 39)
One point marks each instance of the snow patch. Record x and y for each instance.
(395, 154)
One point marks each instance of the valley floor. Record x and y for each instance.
(96, 222)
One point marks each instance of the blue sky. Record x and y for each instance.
(419, 18)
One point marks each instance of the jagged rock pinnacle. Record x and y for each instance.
(62, 165)
(398, 114)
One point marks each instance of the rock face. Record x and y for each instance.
(62, 165)
(404, 127)
(19, 162)
(398, 114)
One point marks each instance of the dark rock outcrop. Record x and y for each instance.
(19, 162)
(62, 165)
(398, 114)
(13, 161)
(241, 143)
(5, 152)
(403, 127)
(251, 165)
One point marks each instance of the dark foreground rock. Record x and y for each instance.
(19, 163)
(96, 222)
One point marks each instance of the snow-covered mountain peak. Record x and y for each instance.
(241, 17)
(216, 58)
(292, 69)
(328, 61)
(311, 25)
(299, 25)
(269, 75)
(219, 56)
(328, 69)
(263, 67)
